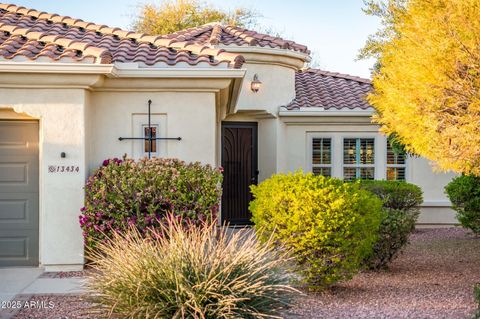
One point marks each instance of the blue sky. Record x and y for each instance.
(333, 29)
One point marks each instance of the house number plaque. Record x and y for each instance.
(63, 169)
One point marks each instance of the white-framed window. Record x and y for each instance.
(150, 145)
(140, 129)
(358, 158)
(396, 164)
(322, 156)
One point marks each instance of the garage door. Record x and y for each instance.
(18, 193)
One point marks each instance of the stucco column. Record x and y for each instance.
(61, 113)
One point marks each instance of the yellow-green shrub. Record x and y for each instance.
(329, 225)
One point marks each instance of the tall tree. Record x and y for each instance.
(174, 15)
(427, 88)
(390, 13)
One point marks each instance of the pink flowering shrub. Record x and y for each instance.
(125, 192)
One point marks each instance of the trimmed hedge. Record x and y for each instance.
(330, 226)
(400, 214)
(464, 193)
(124, 192)
(395, 194)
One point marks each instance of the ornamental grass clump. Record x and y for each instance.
(329, 225)
(189, 271)
(124, 193)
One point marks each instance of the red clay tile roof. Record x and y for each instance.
(216, 33)
(34, 35)
(317, 88)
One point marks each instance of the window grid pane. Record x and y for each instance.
(325, 171)
(321, 151)
(396, 173)
(367, 173)
(358, 158)
(367, 146)
(153, 143)
(349, 151)
(396, 164)
(394, 158)
(349, 173)
(322, 156)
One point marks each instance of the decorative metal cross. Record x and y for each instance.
(150, 137)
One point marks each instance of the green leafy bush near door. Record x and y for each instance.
(401, 202)
(464, 193)
(124, 193)
(329, 225)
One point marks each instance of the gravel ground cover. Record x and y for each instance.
(434, 278)
(64, 274)
(57, 307)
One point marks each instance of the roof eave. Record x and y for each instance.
(117, 70)
(320, 111)
(290, 58)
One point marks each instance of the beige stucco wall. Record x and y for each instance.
(277, 88)
(436, 208)
(189, 115)
(82, 117)
(62, 129)
(299, 131)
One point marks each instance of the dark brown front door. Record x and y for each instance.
(239, 161)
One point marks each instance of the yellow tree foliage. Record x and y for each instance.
(174, 15)
(427, 88)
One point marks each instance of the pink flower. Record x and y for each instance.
(82, 219)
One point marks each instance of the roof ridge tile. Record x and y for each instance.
(234, 60)
(102, 56)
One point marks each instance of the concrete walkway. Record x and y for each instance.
(16, 283)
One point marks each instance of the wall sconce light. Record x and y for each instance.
(256, 84)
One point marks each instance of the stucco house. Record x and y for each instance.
(72, 93)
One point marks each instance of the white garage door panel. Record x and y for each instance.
(12, 210)
(14, 248)
(18, 193)
(15, 209)
(18, 174)
(13, 173)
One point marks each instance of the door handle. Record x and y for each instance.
(254, 178)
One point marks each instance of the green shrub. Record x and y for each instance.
(125, 192)
(400, 206)
(189, 272)
(464, 193)
(329, 225)
(396, 194)
(477, 294)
